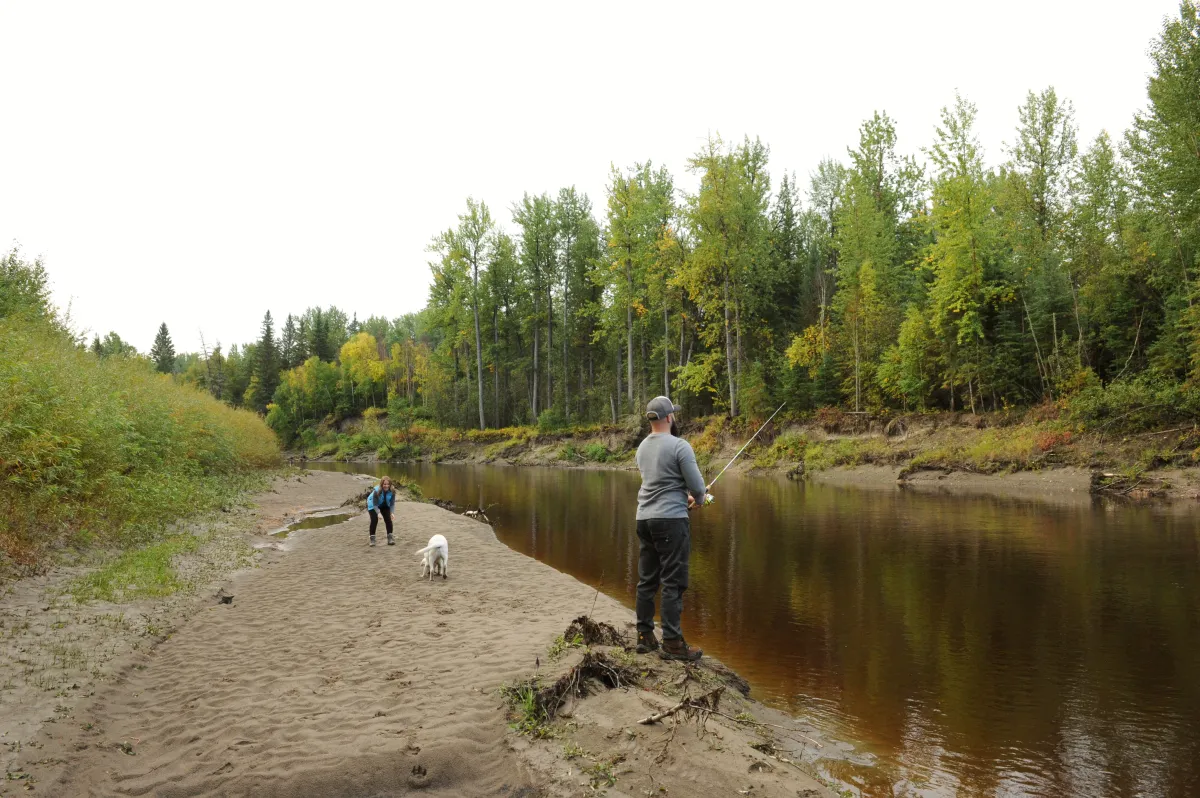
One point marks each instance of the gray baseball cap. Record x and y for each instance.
(660, 407)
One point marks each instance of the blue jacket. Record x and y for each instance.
(375, 499)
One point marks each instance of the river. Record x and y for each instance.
(964, 646)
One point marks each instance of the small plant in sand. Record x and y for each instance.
(625, 657)
(600, 774)
(561, 645)
(572, 751)
(527, 714)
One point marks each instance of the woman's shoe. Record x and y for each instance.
(391, 540)
(372, 540)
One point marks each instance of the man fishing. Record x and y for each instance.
(671, 486)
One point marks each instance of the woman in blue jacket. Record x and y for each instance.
(382, 500)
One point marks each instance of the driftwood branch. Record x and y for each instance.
(666, 713)
(705, 703)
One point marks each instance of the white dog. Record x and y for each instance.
(435, 557)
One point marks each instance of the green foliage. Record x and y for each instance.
(144, 572)
(847, 452)
(596, 452)
(104, 449)
(112, 346)
(725, 275)
(1147, 402)
(600, 774)
(788, 448)
(525, 712)
(561, 646)
(550, 420)
(996, 450)
(163, 351)
(265, 378)
(24, 289)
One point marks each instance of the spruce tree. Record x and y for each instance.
(266, 367)
(318, 336)
(163, 351)
(287, 344)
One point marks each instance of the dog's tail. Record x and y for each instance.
(427, 549)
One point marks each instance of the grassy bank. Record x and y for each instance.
(995, 443)
(372, 437)
(98, 452)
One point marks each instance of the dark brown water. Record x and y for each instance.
(966, 646)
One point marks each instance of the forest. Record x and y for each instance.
(1063, 273)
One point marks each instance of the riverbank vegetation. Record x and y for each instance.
(985, 443)
(944, 279)
(97, 450)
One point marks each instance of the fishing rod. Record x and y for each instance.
(708, 498)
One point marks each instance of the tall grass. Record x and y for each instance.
(104, 450)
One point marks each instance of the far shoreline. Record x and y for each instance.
(1064, 484)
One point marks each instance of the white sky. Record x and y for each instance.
(201, 163)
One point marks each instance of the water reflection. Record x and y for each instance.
(976, 646)
(314, 522)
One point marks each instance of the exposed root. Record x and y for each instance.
(690, 707)
(595, 633)
(595, 672)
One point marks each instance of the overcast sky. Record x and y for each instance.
(202, 163)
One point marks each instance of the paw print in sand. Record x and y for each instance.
(418, 779)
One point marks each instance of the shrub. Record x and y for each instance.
(106, 449)
(788, 447)
(550, 420)
(708, 442)
(1050, 439)
(830, 419)
(847, 452)
(401, 415)
(596, 452)
(1133, 405)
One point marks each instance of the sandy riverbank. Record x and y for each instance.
(56, 653)
(336, 671)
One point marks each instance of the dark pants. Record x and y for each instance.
(666, 544)
(387, 519)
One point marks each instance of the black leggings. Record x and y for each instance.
(387, 519)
